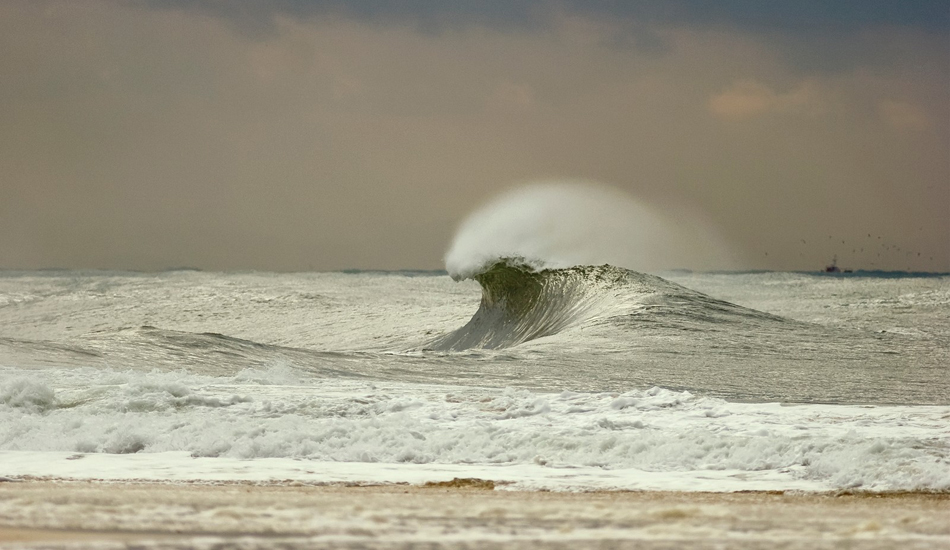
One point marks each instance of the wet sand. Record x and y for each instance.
(82, 514)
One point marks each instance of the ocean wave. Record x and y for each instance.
(26, 394)
(523, 299)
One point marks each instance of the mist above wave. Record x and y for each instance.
(567, 223)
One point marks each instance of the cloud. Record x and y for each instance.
(754, 15)
(750, 98)
(805, 30)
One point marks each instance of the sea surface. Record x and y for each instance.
(581, 378)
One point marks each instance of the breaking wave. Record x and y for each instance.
(522, 300)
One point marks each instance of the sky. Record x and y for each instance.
(308, 135)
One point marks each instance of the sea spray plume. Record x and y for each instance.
(554, 225)
(562, 224)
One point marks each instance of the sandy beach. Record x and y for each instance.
(74, 514)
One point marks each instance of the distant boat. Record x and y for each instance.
(833, 268)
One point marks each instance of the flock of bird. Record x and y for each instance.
(873, 250)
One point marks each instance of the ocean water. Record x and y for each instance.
(578, 378)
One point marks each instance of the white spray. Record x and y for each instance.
(561, 224)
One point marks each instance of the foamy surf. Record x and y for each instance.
(372, 432)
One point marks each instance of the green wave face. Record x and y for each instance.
(521, 302)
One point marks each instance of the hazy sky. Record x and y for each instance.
(294, 135)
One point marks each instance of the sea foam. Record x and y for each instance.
(330, 421)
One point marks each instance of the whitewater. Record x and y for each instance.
(558, 374)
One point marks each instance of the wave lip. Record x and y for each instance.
(522, 301)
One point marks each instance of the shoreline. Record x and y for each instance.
(457, 514)
(463, 484)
